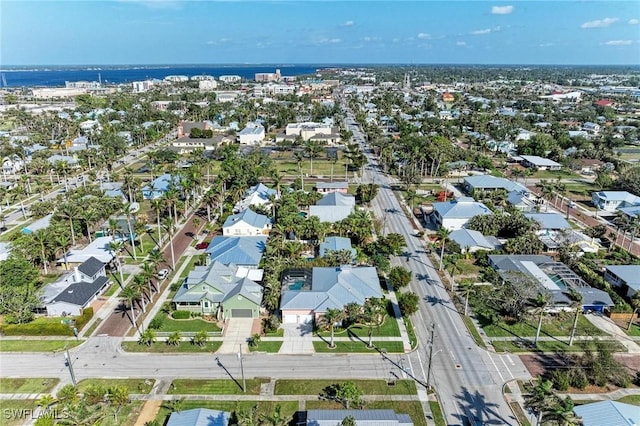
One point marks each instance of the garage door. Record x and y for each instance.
(241, 313)
(290, 319)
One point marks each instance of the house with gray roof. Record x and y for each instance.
(307, 296)
(455, 214)
(42, 223)
(199, 417)
(549, 222)
(626, 277)
(74, 291)
(333, 207)
(241, 251)
(471, 241)
(551, 276)
(220, 290)
(491, 183)
(327, 187)
(334, 244)
(379, 417)
(57, 158)
(247, 223)
(610, 413)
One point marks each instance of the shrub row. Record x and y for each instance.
(181, 314)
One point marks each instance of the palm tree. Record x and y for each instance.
(140, 284)
(116, 247)
(62, 244)
(635, 304)
(170, 227)
(174, 338)
(312, 149)
(561, 412)
(576, 299)
(70, 211)
(200, 338)
(248, 417)
(540, 398)
(157, 206)
(130, 294)
(373, 315)
(443, 235)
(148, 337)
(541, 302)
(330, 318)
(466, 287)
(148, 271)
(128, 213)
(276, 418)
(42, 237)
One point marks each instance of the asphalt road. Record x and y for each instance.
(468, 379)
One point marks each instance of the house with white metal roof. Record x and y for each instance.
(379, 417)
(199, 417)
(252, 134)
(257, 195)
(471, 241)
(306, 295)
(333, 244)
(491, 183)
(160, 186)
(455, 214)
(98, 248)
(246, 224)
(540, 163)
(327, 187)
(625, 276)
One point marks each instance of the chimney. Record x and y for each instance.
(76, 274)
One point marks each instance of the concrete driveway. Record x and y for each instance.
(237, 332)
(298, 339)
(608, 326)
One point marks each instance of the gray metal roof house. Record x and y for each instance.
(609, 413)
(361, 417)
(333, 207)
(199, 417)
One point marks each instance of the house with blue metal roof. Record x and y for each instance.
(241, 251)
(455, 214)
(199, 417)
(333, 207)
(160, 186)
(379, 417)
(609, 413)
(307, 296)
(549, 222)
(333, 244)
(246, 224)
(42, 223)
(610, 201)
(625, 276)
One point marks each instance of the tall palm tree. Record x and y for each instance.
(70, 211)
(140, 284)
(128, 213)
(115, 247)
(443, 235)
(635, 304)
(170, 228)
(130, 294)
(42, 238)
(540, 398)
(576, 302)
(157, 206)
(330, 318)
(62, 245)
(148, 271)
(312, 149)
(541, 302)
(373, 315)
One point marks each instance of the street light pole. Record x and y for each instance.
(69, 364)
(244, 382)
(433, 331)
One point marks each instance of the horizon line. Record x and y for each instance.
(326, 64)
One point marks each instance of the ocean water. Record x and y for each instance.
(55, 76)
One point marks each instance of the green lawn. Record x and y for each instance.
(162, 347)
(552, 346)
(368, 387)
(389, 328)
(630, 399)
(357, 346)
(115, 286)
(36, 345)
(142, 386)
(89, 331)
(278, 333)
(215, 386)
(39, 385)
(270, 346)
(190, 325)
(474, 331)
(412, 408)
(560, 326)
(288, 408)
(634, 331)
(16, 411)
(436, 411)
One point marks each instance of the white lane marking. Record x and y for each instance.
(507, 368)
(496, 367)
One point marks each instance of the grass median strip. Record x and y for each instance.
(357, 347)
(142, 386)
(32, 385)
(270, 346)
(36, 345)
(368, 387)
(552, 346)
(215, 386)
(163, 347)
(436, 411)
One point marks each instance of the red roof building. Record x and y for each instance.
(604, 103)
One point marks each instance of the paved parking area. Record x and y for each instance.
(298, 339)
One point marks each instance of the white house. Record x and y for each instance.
(257, 195)
(454, 215)
(252, 134)
(610, 201)
(247, 224)
(625, 276)
(539, 163)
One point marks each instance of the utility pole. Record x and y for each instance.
(431, 341)
(69, 364)
(244, 382)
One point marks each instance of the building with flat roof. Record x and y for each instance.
(361, 417)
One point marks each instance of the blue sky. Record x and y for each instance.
(236, 31)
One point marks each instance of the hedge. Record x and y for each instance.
(181, 314)
(49, 328)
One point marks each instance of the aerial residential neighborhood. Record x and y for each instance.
(281, 245)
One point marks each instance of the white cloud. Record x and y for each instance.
(348, 24)
(329, 40)
(369, 38)
(599, 23)
(461, 43)
(485, 31)
(501, 10)
(396, 40)
(618, 43)
(220, 41)
(634, 21)
(423, 36)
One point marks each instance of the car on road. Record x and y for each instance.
(163, 273)
(203, 245)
